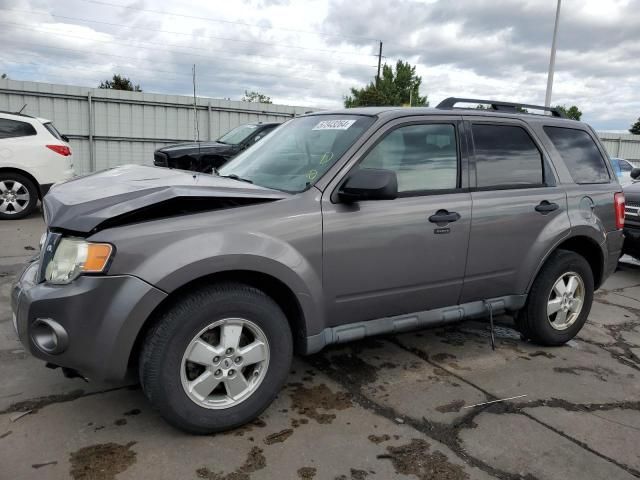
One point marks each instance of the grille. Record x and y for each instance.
(632, 203)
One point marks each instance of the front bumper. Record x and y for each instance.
(632, 241)
(102, 316)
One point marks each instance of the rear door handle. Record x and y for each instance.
(443, 216)
(546, 207)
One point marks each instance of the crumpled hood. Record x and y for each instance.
(83, 204)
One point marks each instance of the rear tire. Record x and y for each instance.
(18, 196)
(552, 315)
(193, 373)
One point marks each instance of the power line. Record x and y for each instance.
(230, 22)
(270, 44)
(129, 44)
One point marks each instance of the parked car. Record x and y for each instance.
(623, 170)
(632, 216)
(338, 226)
(208, 156)
(33, 156)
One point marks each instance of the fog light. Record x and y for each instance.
(49, 336)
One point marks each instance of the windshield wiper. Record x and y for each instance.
(233, 176)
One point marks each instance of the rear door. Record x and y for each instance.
(518, 210)
(390, 257)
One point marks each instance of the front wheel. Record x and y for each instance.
(217, 358)
(559, 301)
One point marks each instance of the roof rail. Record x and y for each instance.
(449, 103)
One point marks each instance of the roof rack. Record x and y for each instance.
(449, 103)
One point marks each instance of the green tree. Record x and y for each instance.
(120, 82)
(572, 112)
(256, 97)
(635, 128)
(4, 75)
(395, 88)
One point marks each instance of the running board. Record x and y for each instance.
(412, 321)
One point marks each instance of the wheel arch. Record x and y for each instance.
(275, 288)
(584, 246)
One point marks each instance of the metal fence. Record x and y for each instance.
(112, 127)
(622, 145)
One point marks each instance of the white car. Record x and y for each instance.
(33, 156)
(623, 169)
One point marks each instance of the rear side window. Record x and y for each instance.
(14, 128)
(506, 157)
(580, 154)
(53, 130)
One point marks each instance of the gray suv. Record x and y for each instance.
(337, 226)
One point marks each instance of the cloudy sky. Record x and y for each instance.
(311, 52)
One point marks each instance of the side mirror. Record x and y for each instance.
(64, 138)
(635, 173)
(369, 184)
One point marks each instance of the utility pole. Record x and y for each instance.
(552, 60)
(379, 62)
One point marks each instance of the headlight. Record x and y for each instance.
(74, 257)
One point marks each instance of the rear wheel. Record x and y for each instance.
(559, 301)
(217, 358)
(18, 196)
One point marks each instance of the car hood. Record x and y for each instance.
(632, 191)
(137, 193)
(178, 147)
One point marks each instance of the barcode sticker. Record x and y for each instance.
(334, 124)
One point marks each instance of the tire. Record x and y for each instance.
(18, 196)
(533, 320)
(166, 372)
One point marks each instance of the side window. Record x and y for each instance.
(580, 154)
(14, 128)
(424, 157)
(506, 157)
(625, 166)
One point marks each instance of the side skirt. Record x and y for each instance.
(412, 321)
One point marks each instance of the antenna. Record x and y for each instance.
(23, 107)
(196, 127)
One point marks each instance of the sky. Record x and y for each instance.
(312, 52)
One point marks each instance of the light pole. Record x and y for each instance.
(552, 60)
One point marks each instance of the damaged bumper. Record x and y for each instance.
(89, 325)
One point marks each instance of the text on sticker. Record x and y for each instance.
(334, 124)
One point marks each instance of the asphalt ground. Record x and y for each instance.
(390, 407)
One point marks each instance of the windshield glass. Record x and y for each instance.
(297, 154)
(238, 134)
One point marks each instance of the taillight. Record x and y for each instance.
(60, 149)
(618, 199)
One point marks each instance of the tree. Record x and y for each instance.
(572, 112)
(4, 75)
(256, 97)
(120, 82)
(635, 128)
(395, 88)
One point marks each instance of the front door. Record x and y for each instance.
(390, 257)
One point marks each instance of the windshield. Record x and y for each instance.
(297, 154)
(238, 134)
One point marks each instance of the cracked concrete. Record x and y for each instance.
(392, 407)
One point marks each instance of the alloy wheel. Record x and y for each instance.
(14, 197)
(565, 301)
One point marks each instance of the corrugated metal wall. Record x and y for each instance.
(622, 145)
(126, 127)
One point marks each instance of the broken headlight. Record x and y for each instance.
(75, 256)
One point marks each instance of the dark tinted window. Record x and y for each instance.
(506, 156)
(624, 166)
(424, 157)
(580, 154)
(14, 128)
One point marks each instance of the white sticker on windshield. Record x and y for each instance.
(334, 124)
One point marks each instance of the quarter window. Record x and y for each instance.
(14, 128)
(580, 154)
(424, 157)
(506, 157)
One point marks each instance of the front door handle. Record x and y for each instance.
(545, 207)
(443, 216)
